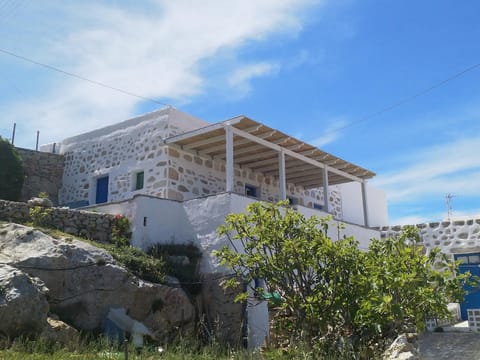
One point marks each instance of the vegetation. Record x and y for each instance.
(182, 261)
(331, 292)
(40, 215)
(185, 349)
(11, 172)
(139, 263)
(121, 231)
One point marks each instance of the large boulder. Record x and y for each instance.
(23, 304)
(84, 282)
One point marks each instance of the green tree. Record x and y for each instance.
(11, 172)
(317, 278)
(405, 285)
(331, 289)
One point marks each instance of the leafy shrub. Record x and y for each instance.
(332, 292)
(40, 215)
(121, 233)
(11, 172)
(43, 195)
(138, 262)
(186, 273)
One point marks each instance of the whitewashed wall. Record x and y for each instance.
(352, 204)
(196, 221)
(122, 150)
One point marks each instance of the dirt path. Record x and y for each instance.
(450, 346)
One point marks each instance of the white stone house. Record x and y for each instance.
(176, 177)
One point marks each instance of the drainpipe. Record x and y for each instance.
(245, 319)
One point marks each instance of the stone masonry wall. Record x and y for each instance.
(120, 157)
(191, 176)
(43, 173)
(94, 226)
(452, 237)
(168, 171)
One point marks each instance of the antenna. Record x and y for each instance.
(448, 202)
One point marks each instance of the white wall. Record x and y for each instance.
(196, 221)
(352, 204)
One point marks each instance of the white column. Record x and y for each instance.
(229, 172)
(365, 203)
(325, 189)
(282, 178)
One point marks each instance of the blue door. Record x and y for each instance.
(102, 190)
(469, 262)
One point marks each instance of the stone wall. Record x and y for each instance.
(120, 152)
(43, 173)
(452, 237)
(91, 225)
(191, 176)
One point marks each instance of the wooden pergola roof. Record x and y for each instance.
(256, 146)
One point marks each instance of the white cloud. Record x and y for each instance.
(435, 172)
(156, 52)
(241, 77)
(331, 132)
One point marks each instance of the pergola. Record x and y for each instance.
(253, 145)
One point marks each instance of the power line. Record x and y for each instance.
(404, 100)
(79, 77)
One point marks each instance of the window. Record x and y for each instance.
(250, 190)
(468, 259)
(139, 180)
(292, 200)
(317, 206)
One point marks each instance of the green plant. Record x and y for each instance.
(40, 216)
(405, 285)
(138, 262)
(11, 172)
(43, 195)
(332, 292)
(121, 231)
(185, 272)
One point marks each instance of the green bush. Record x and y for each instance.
(187, 274)
(331, 291)
(121, 233)
(11, 172)
(40, 215)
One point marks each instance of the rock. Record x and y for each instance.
(58, 332)
(84, 282)
(36, 201)
(23, 304)
(402, 349)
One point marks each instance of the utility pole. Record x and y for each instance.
(448, 203)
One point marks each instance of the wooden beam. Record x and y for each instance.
(203, 130)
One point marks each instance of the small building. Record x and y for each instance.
(176, 177)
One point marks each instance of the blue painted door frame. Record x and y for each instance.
(102, 190)
(470, 262)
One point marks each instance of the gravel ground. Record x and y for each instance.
(450, 346)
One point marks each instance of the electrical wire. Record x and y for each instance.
(404, 100)
(79, 77)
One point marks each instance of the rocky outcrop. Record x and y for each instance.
(402, 348)
(23, 304)
(84, 282)
(58, 332)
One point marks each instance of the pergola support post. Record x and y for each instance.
(325, 189)
(229, 171)
(281, 175)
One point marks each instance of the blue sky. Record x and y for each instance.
(313, 69)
